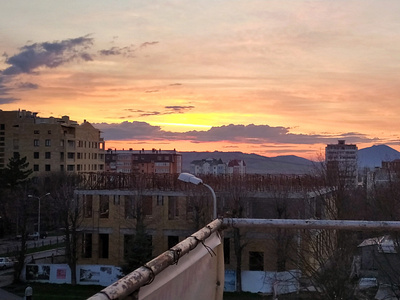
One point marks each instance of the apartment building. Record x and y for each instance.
(341, 162)
(143, 161)
(109, 221)
(50, 144)
(208, 166)
(236, 167)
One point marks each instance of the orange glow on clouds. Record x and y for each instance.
(307, 73)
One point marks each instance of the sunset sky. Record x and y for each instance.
(267, 77)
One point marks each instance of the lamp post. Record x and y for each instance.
(39, 198)
(190, 178)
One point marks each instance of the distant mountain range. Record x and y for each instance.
(289, 164)
(372, 157)
(255, 164)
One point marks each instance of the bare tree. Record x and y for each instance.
(235, 199)
(24, 206)
(326, 256)
(67, 209)
(139, 247)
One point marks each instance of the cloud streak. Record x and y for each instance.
(173, 109)
(249, 134)
(116, 51)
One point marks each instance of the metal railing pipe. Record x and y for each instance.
(313, 224)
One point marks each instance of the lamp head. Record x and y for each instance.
(187, 177)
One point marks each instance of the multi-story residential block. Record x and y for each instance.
(144, 161)
(237, 167)
(208, 166)
(341, 163)
(170, 213)
(50, 144)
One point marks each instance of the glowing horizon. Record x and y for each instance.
(276, 77)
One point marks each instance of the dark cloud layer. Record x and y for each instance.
(32, 57)
(48, 54)
(28, 86)
(6, 100)
(251, 134)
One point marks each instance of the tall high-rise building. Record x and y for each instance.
(50, 144)
(341, 163)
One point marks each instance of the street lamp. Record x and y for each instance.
(39, 198)
(190, 178)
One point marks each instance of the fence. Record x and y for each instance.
(12, 247)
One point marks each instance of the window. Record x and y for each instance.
(129, 207)
(36, 155)
(36, 132)
(36, 143)
(36, 168)
(160, 200)
(172, 241)
(128, 243)
(88, 206)
(227, 251)
(47, 168)
(173, 210)
(87, 245)
(103, 245)
(71, 144)
(104, 206)
(47, 155)
(71, 155)
(256, 261)
(47, 143)
(147, 205)
(48, 131)
(2, 127)
(70, 168)
(62, 168)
